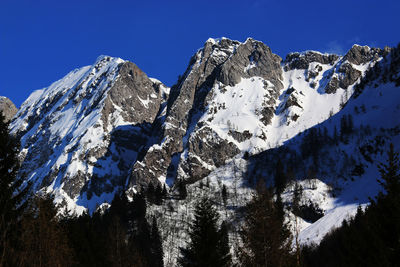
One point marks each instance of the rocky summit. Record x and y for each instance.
(77, 134)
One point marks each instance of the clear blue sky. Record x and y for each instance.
(42, 40)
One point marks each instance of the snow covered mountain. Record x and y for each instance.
(76, 134)
(236, 110)
(239, 97)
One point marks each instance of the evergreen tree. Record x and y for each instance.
(156, 245)
(297, 196)
(280, 177)
(390, 176)
(164, 192)
(142, 238)
(343, 129)
(151, 193)
(158, 195)
(117, 249)
(388, 204)
(325, 135)
(182, 190)
(223, 245)
(207, 245)
(12, 192)
(266, 238)
(350, 124)
(224, 194)
(335, 136)
(119, 207)
(44, 241)
(139, 206)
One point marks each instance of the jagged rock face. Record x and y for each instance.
(351, 75)
(344, 74)
(8, 108)
(347, 73)
(206, 149)
(80, 136)
(303, 60)
(135, 90)
(252, 59)
(194, 148)
(363, 54)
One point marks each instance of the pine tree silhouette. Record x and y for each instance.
(266, 238)
(208, 244)
(12, 191)
(156, 245)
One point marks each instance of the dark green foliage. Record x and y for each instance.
(335, 136)
(138, 207)
(155, 195)
(346, 127)
(164, 192)
(12, 193)
(266, 238)
(358, 170)
(297, 196)
(156, 246)
(312, 143)
(208, 245)
(158, 195)
(390, 176)
(150, 194)
(309, 212)
(280, 177)
(182, 190)
(43, 238)
(223, 245)
(119, 237)
(224, 194)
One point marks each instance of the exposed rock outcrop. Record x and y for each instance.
(82, 133)
(347, 74)
(219, 63)
(303, 60)
(7, 108)
(362, 54)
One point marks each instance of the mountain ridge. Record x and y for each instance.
(220, 63)
(112, 128)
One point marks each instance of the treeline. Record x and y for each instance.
(121, 236)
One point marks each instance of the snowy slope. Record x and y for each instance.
(72, 133)
(381, 110)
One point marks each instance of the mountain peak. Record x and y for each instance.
(359, 55)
